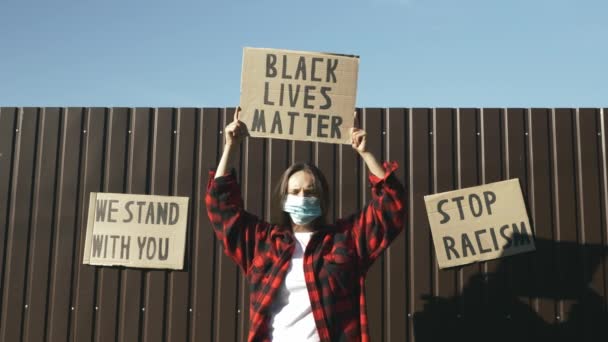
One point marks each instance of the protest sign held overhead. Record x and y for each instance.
(145, 231)
(479, 223)
(298, 95)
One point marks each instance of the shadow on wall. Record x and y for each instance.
(553, 294)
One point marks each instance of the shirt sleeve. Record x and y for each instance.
(240, 232)
(381, 220)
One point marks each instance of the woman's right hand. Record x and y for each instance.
(236, 130)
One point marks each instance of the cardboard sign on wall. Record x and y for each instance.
(298, 95)
(145, 231)
(479, 223)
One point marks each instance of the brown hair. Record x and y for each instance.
(278, 216)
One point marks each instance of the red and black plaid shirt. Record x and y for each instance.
(335, 261)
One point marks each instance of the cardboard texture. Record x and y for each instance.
(479, 223)
(298, 95)
(144, 231)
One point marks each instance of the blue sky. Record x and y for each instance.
(414, 53)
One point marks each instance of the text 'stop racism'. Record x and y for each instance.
(479, 223)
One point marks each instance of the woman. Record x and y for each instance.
(306, 276)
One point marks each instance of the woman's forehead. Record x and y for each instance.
(301, 179)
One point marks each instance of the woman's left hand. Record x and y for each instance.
(358, 138)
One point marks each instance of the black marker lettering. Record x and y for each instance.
(266, 91)
(466, 244)
(259, 122)
(141, 243)
(315, 60)
(128, 209)
(327, 104)
(479, 210)
(161, 214)
(163, 255)
(479, 246)
(284, 73)
(446, 217)
(292, 115)
(331, 69)
(293, 96)
(100, 212)
(309, 117)
(271, 71)
(173, 213)
(458, 200)
(150, 252)
(276, 123)
(321, 126)
(301, 71)
(336, 121)
(308, 96)
(124, 247)
(448, 243)
(490, 198)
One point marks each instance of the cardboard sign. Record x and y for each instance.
(298, 95)
(479, 223)
(136, 230)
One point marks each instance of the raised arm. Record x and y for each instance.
(240, 232)
(234, 134)
(383, 218)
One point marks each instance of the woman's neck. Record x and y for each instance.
(302, 229)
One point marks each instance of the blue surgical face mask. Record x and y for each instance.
(302, 210)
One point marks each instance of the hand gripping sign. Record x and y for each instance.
(298, 95)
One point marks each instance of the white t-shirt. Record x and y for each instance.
(292, 318)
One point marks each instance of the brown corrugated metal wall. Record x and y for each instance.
(51, 158)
